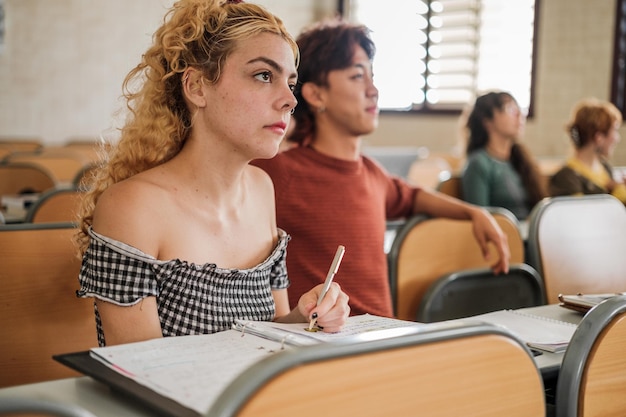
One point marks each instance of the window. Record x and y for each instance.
(435, 55)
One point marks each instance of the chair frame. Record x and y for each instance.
(575, 376)
(432, 308)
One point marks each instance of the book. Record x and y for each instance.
(538, 332)
(184, 375)
(584, 302)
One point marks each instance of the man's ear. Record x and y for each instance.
(193, 80)
(313, 95)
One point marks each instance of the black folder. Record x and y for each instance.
(84, 363)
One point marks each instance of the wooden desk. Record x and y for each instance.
(100, 400)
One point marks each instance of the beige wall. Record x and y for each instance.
(63, 63)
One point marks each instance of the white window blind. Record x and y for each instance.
(439, 54)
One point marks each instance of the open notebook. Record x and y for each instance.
(184, 375)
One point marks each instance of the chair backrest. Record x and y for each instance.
(18, 178)
(55, 205)
(592, 378)
(62, 165)
(20, 145)
(4, 153)
(471, 370)
(40, 315)
(451, 186)
(576, 243)
(477, 291)
(426, 248)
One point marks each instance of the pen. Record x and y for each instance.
(329, 278)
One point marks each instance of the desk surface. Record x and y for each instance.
(98, 398)
(83, 391)
(550, 363)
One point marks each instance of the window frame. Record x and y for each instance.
(618, 77)
(427, 109)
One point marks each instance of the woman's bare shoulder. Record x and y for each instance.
(129, 211)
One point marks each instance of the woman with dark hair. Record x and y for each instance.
(500, 171)
(593, 130)
(328, 193)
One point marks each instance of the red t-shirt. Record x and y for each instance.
(324, 202)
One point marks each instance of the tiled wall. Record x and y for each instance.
(63, 63)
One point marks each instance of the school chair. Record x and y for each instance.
(592, 379)
(40, 314)
(462, 369)
(451, 186)
(427, 248)
(55, 205)
(26, 144)
(20, 178)
(63, 164)
(92, 149)
(4, 153)
(576, 243)
(476, 291)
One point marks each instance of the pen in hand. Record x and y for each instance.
(329, 278)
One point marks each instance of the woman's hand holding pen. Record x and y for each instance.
(331, 313)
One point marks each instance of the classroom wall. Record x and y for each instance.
(62, 63)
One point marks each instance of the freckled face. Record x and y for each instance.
(249, 107)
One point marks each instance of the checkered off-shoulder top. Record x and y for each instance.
(191, 298)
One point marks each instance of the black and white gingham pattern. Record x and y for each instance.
(191, 299)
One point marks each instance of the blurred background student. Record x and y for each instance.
(593, 129)
(500, 171)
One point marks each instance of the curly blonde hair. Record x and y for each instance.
(194, 33)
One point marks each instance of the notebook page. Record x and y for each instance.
(539, 332)
(192, 370)
(298, 334)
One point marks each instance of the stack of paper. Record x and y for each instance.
(537, 332)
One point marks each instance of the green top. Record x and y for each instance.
(491, 182)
